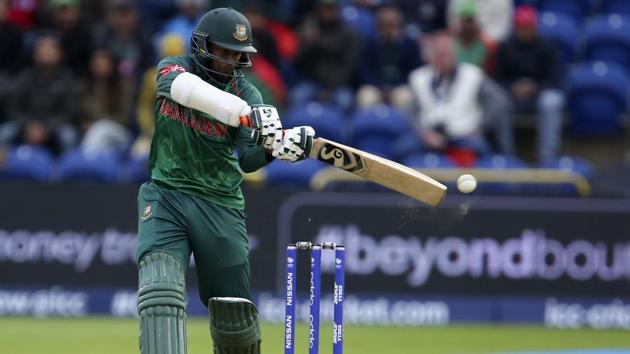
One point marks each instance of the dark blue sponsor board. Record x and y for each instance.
(65, 250)
(524, 246)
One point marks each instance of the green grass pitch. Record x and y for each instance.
(106, 336)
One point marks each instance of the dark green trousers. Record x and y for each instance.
(179, 223)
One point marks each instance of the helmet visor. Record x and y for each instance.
(201, 46)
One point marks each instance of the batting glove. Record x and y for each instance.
(267, 126)
(296, 144)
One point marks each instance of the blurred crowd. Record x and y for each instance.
(451, 78)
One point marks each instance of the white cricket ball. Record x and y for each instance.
(466, 183)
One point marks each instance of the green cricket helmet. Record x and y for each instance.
(228, 29)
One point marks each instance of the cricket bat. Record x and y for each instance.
(374, 168)
(387, 173)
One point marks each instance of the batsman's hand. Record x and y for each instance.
(296, 144)
(267, 126)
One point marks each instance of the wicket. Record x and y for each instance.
(315, 295)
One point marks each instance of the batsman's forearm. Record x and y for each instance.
(191, 91)
(253, 159)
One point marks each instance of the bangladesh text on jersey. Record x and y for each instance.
(186, 116)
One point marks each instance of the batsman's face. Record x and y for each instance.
(229, 55)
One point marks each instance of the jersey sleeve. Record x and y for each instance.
(167, 71)
(251, 156)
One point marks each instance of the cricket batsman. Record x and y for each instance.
(194, 202)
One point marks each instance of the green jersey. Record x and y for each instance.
(194, 153)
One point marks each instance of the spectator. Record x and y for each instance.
(106, 102)
(268, 81)
(154, 13)
(301, 10)
(528, 66)
(473, 46)
(189, 14)
(386, 62)
(265, 41)
(76, 35)
(11, 60)
(92, 13)
(327, 56)
(128, 43)
(455, 102)
(44, 100)
(24, 13)
(170, 45)
(266, 65)
(11, 42)
(494, 16)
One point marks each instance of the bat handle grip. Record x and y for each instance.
(246, 121)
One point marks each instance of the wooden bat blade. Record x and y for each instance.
(387, 173)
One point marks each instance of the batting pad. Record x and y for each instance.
(162, 305)
(234, 326)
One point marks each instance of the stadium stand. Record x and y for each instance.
(576, 9)
(592, 37)
(294, 175)
(597, 99)
(374, 129)
(608, 40)
(561, 30)
(326, 119)
(26, 162)
(620, 7)
(76, 165)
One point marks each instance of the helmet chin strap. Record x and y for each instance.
(215, 76)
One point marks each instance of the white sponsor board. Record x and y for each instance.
(73, 248)
(563, 314)
(43, 303)
(533, 255)
(377, 311)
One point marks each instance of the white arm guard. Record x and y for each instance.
(191, 91)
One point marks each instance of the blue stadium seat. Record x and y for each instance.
(361, 20)
(576, 9)
(377, 128)
(406, 145)
(292, 175)
(608, 40)
(500, 162)
(619, 7)
(138, 169)
(573, 164)
(75, 165)
(326, 119)
(562, 31)
(27, 162)
(430, 160)
(597, 98)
